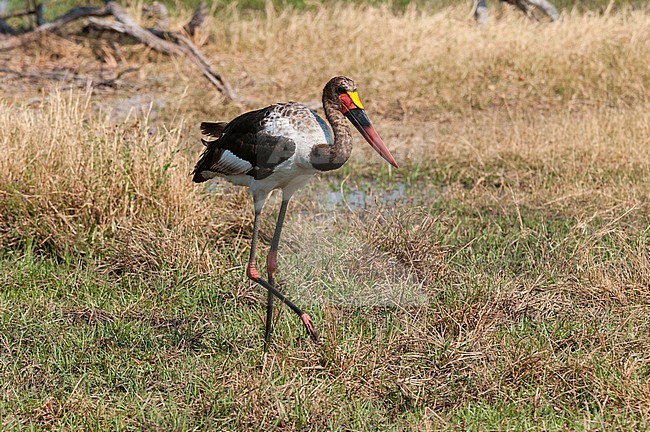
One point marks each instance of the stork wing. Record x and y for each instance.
(246, 146)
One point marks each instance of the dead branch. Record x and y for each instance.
(70, 76)
(522, 6)
(163, 41)
(6, 28)
(74, 14)
(58, 76)
(546, 7)
(198, 19)
(157, 11)
(40, 19)
(17, 14)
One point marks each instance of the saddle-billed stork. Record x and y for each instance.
(282, 146)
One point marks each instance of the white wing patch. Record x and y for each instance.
(229, 164)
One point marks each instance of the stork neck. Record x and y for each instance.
(331, 157)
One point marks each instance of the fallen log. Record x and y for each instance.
(21, 39)
(163, 41)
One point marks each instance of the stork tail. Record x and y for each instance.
(204, 165)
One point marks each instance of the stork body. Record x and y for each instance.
(281, 147)
(265, 150)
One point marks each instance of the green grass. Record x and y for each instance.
(508, 316)
(517, 347)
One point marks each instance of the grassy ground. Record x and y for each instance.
(499, 280)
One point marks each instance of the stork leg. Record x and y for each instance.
(271, 267)
(253, 274)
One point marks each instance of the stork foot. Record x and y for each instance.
(310, 327)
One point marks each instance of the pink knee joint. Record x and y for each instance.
(251, 272)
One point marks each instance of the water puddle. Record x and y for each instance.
(357, 198)
(352, 197)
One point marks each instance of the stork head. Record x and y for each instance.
(343, 91)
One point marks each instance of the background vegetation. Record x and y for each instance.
(499, 280)
(55, 8)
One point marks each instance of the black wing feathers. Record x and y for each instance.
(246, 138)
(261, 150)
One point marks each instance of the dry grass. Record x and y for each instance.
(74, 182)
(506, 287)
(416, 63)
